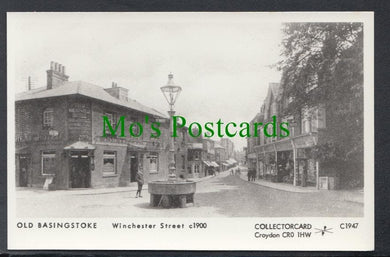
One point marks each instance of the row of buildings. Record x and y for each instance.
(290, 159)
(59, 143)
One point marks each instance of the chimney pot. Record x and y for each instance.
(56, 75)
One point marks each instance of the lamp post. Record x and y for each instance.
(171, 93)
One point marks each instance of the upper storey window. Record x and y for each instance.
(48, 117)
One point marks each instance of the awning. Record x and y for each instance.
(215, 164)
(79, 145)
(207, 163)
(135, 146)
(232, 161)
(195, 146)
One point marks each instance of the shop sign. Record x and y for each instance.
(79, 110)
(37, 137)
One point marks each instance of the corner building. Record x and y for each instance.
(59, 141)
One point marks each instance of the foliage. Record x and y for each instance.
(323, 65)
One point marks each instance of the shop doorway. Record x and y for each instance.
(80, 172)
(285, 167)
(133, 167)
(24, 161)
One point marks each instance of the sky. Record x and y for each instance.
(221, 60)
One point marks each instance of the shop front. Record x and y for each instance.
(81, 164)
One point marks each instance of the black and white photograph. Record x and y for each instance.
(155, 123)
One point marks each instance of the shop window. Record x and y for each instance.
(153, 163)
(109, 163)
(48, 162)
(47, 118)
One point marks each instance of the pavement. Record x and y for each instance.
(223, 195)
(356, 196)
(26, 191)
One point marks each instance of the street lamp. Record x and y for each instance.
(171, 93)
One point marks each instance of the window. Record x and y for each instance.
(197, 155)
(312, 83)
(109, 163)
(47, 119)
(153, 163)
(196, 168)
(321, 116)
(183, 162)
(111, 118)
(48, 164)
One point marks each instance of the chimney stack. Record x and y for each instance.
(120, 93)
(56, 75)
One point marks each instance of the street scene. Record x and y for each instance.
(224, 195)
(95, 137)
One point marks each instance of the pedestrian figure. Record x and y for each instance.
(249, 174)
(140, 181)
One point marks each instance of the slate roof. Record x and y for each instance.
(88, 90)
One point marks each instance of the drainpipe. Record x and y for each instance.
(315, 141)
(276, 161)
(295, 164)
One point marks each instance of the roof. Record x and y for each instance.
(258, 117)
(274, 87)
(88, 90)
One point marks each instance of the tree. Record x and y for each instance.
(323, 65)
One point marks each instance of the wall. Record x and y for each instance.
(29, 132)
(119, 144)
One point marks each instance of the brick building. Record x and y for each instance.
(59, 131)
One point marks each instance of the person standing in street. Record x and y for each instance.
(140, 181)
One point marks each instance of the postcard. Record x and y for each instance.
(190, 131)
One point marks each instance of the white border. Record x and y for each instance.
(223, 233)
